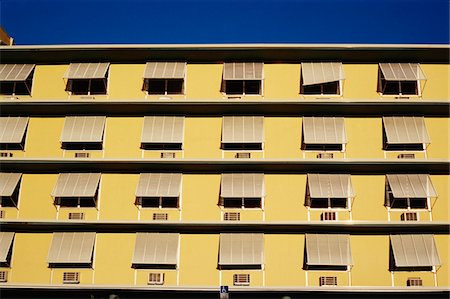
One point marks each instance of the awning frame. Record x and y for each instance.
(15, 194)
(145, 236)
(6, 247)
(419, 79)
(69, 81)
(163, 145)
(68, 262)
(405, 146)
(59, 201)
(252, 144)
(16, 144)
(229, 243)
(27, 81)
(321, 124)
(323, 266)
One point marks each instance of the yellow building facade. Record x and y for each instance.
(274, 170)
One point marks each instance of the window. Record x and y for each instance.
(76, 189)
(241, 251)
(408, 191)
(323, 134)
(405, 134)
(159, 190)
(71, 250)
(87, 78)
(163, 133)
(6, 240)
(327, 252)
(242, 190)
(328, 191)
(9, 189)
(164, 78)
(13, 131)
(242, 78)
(242, 133)
(16, 79)
(156, 251)
(399, 78)
(83, 133)
(322, 78)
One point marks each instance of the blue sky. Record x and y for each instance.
(225, 21)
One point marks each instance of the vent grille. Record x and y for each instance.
(242, 156)
(71, 277)
(2, 214)
(406, 156)
(3, 276)
(409, 216)
(6, 155)
(325, 156)
(167, 155)
(232, 216)
(76, 216)
(328, 216)
(328, 281)
(160, 216)
(241, 279)
(414, 282)
(155, 278)
(82, 155)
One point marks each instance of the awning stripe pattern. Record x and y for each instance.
(239, 185)
(8, 183)
(83, 129)
(328, 250)
(324, 130)
(321, 72)
(402, 71)
(415, 251)
(241, 249)
(159, 185)
(156, 249)
(411, 185)
(76, 248)
(243, 129)
(76, 185)
(15, 72)
(163, 129)
(243, 71)
(330, 186)
(12, 129)
(87, 70)
(405, 130)
(165, 70)
(6, 239)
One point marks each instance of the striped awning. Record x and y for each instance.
(6, 239)
(243, 71)
(239, 185)
(71, 248)
(402, 71)
(165, 70)
(8, 183)
(163, 129)
(321, 72)
(87, 70)
(330, 186)
(405, 130)
(159, 185)
(156, 249)
(243, 129)
(241, 249)
(12, 129)
(83, 129)
(15, 72)
(328, 250)
(76, 185)
(411, 185)
(415, 251)
(324, 130)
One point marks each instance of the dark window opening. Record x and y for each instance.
(321, 147)
(246, 202)
(82, 145)
(239, 267)
(328, 88)
(158, 202)
(396, 87)
(73, 202)
(403, 203)
(325, 203)
(242, 146)
(86, 86)
(163, 86)
(71, 265)
(17, 87)
(241, 87)
(401, 147)
(154, 266)
(162, 146)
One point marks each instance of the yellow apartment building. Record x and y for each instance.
(231, 171)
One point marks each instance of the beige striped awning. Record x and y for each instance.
(415, 251)
(8, 183)
(15, 72)
(159, 185)
(87, 70)
(241, 249)
(330, 186)
(402, 71)
(12, 129)
(328, 250)
(71, 248)
(243, 71)
(324, 130)
(83, 129)
(165, 70)
(156, 249)
(405, 130)
(243, 129)
(321, 72)
(239, 185)
(76, 185)
(411, 185)
(163, 129)
(6, 239)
